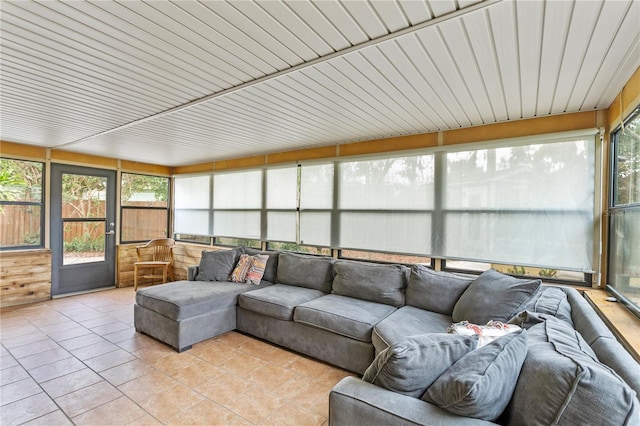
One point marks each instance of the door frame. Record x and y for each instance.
(69, 279)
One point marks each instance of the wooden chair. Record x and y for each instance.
(161, 251)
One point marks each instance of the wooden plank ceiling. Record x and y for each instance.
(184, 82)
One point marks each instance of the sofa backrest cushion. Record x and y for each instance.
(371, 281)
(552, 301)
(409, 367)
(271, 269)
(493, 296)
(561, 384)
(217, 265)
(435, 291)
(315, 272)
(481, 383)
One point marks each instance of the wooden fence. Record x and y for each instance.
(20, 224)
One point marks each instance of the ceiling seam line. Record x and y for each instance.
(323, 59)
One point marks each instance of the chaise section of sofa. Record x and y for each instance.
(182, 313)
(186, 312)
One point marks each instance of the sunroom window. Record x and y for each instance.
(21, 204)
(624, 214)
(144, 207)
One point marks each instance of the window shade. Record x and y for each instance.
(192, 201)
(525, 205)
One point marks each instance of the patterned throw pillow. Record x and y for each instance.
(256, 269)
(486, 333)
(240, 271)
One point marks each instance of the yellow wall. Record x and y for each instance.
(627, 100)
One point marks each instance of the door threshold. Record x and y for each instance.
(77, 293)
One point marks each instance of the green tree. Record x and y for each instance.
(134, 183)
(20, 180)
(628, 163)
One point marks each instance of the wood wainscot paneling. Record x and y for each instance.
(25, 277)
(188, 255)
(126, 256)
(184, 255)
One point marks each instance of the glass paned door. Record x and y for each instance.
(83, 218)
(82, 228)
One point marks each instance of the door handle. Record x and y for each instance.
(110, 232)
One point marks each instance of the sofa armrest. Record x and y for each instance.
(355, 402)
(192, 271)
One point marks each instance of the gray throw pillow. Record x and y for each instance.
(562, 383)
(371, 281)
(435, 291)
(217, 265)
(493, 296)
(411, 366)
(481, 383)
(315, 272)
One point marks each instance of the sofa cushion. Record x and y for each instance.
(271, 268)
(481, 383)
(552, 301)
(185, 299)
(493, 296)
(560, 383)
(371, 281)
(407, 321)
(343, 315)
(435, 291)
(217, 265)
(412, 365)
(278, 301)
(301, 270)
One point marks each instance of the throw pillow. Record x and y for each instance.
(239, 274)
(435, 291)
(480, 384)
(217, 265)
(411, 366)
(256, 268)
(371, 281)
(493, 296)
(486, 333)
(271, 269)
(561, 383)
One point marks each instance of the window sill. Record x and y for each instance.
(622, 323)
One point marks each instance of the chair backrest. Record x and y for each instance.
(162, 249)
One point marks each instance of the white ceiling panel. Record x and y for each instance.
(391, 14)
(506, 47)
(367, 18)
(477, 29)
(556, 27)
(530, 19)
(184, 82)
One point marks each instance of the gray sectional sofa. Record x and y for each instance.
(389, 322)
